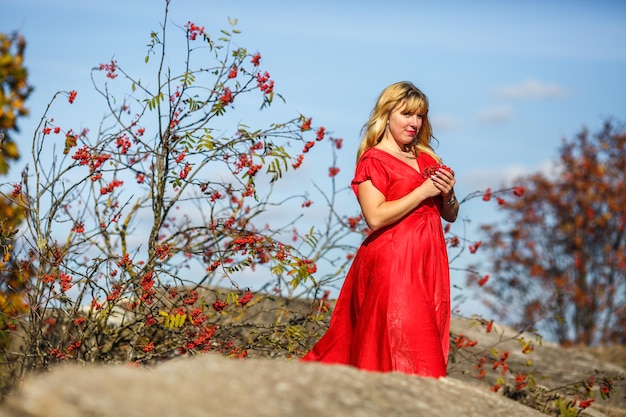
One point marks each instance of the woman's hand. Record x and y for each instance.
(430, 188)
(444, 180)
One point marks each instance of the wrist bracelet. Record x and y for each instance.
(451, 201)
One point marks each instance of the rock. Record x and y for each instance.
(553, 366)
(211, 385)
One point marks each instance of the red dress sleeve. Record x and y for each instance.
(373, 169)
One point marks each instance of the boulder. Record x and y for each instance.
(212, 385)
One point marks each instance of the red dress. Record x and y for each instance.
(393, 311)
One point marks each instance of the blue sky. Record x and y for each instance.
(506, 80)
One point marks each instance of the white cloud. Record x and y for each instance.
(503, 176)
(444, 123)
(530, 89)
(496, 114)
(507, 175)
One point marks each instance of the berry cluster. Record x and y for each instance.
(432, 170)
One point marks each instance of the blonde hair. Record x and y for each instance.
(402, 94)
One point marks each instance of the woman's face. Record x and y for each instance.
(403, 125)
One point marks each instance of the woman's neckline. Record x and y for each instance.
(410, 162)
(398, 154)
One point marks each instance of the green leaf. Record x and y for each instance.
(278, 269)
(193, 105)
(310, 238)
(154, 101)
(274, 168)
(188, 78)
(207, 144)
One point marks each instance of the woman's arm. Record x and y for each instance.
(444, 181)
(379, 213)
(450, 207)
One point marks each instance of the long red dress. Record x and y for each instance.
(393, 311)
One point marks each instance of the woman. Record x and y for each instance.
(393, 311)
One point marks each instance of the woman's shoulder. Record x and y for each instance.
(372, 166)
(373, 153)
(372, 158)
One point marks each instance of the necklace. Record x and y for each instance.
(405, 154)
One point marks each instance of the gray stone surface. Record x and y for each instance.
(212, 385)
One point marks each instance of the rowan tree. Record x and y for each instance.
(137, 232)
(559, 258)
(14, 90)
